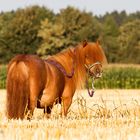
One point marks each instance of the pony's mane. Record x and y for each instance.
(65, 58)
(77, 54)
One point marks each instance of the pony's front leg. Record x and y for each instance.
(67, 96)
(65, 104)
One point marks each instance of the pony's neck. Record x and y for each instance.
(73, 58)
(80, 71)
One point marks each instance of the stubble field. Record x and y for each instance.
(108, 115)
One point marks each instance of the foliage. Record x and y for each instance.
(5, 19)
(53, 38)
(110, 33)
(120, 77)
(130, 41)
(21, 32)
(2, 76)
(113, 77)
(37, 30)
(69, 27)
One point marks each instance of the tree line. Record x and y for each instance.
(38, 30)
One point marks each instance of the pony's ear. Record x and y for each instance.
(85, 43)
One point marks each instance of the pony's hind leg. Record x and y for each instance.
(30, 110)
(32, 103)
(47, 111)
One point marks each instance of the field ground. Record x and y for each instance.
(108, 115)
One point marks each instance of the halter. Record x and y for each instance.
(88, 67)
(95, 76)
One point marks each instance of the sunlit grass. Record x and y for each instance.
(109, 115)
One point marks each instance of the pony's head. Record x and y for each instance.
(94, 57)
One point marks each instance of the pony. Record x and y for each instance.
(34, 82)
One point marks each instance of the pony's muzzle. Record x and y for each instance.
(94, 70)
(96, 75)
(99, 75)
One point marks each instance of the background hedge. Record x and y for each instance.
(113, 77)
(119, 77)
(2, 76)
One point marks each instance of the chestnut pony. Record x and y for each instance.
(34, 82)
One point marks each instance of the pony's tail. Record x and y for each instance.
(17, 90)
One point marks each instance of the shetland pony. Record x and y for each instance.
(34, 82)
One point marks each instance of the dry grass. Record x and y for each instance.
(109, 115)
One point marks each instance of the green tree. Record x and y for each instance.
(130, 42)
(110, 34)
(119, 18)
(69, 27)
(21, 31)
(53, 38)
(5, 19)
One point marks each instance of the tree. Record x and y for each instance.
(5, 19)
(21, 31)
(53, 38)
(119, 18)
(130, 42)
(109, 39)
(70, 27)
